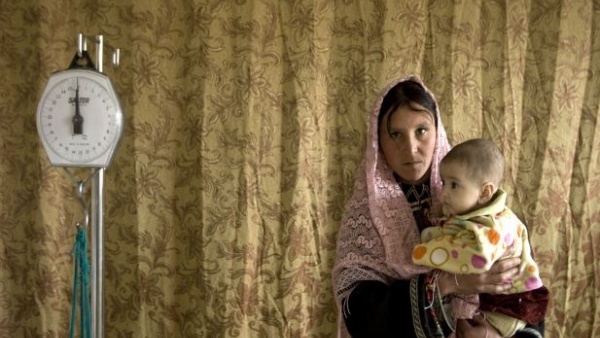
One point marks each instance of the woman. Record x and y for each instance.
(379, 291)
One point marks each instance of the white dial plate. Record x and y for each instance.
(101, 113)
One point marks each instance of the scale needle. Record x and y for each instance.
(77, 119)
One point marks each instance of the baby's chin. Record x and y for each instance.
(447, 212)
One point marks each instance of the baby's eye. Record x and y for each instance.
(454, 185)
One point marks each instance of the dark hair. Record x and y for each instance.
(482, 159)
(406, 93)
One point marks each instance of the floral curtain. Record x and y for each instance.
(245, 123)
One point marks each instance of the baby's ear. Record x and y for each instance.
(488, 190)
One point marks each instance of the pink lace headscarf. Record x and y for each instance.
(378, 231)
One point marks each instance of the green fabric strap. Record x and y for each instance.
(81, 283)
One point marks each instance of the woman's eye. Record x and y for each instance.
(421, 131)
(454, 185)
(396, 135)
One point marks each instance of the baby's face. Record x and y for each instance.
(460, 194)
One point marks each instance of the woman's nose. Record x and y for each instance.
(412, 144)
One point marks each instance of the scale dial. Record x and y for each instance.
(79, 119)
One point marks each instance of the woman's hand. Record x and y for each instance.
(477, 327)
(497, 280)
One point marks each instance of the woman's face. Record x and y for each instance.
(409, 141)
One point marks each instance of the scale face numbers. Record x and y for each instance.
(80, 119)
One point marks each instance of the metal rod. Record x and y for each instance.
(100, 53)
(80, 45)
(116, 58)
(98, 231)
(98, 254)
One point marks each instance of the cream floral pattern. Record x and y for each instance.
(245, 123)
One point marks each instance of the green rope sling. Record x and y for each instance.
(81, 283)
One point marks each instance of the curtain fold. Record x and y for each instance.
(245, 123)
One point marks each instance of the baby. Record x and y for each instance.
(478, 230)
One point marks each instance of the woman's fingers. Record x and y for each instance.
(462, 326)
(471, 328)
(503, 271)
(505, 264)
(497, 280)
(495, 288)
